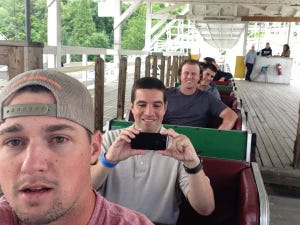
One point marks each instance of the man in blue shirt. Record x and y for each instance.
(249, 61)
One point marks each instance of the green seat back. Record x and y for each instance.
(226, 144)
(223, 87)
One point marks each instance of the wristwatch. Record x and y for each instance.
(195, 169)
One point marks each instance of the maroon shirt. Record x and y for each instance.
(105, 213)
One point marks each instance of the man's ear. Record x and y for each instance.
(131, 106)
(96, 141)
(166, 106)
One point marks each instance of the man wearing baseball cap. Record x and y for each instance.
(47, 144)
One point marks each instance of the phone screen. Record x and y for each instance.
(149, 141)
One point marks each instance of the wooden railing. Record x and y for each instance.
(163, 67)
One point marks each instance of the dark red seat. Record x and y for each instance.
(223, 83)
(226, 92)
(236, 195)
(215, 121)
(230, 101)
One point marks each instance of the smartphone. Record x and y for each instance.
(149, 141)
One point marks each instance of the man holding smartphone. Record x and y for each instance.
(150, 181)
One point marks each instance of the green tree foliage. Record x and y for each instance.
(39, 21)
(133, 31)
(80, 24)
(79, 27)
(12, 22)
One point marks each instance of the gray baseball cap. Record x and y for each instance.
(73, 100)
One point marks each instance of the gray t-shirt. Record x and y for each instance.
(191, 110)
(148, 183)
(212, 88)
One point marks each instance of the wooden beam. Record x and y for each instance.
(270, 18)
(296, 162)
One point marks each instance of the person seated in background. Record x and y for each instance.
(48, 142)
(206, 80)
(267, 51)
(220, 75)
(151, 181)
(286, 51)
(210, 60)
(189, 106)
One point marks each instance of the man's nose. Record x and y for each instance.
(149, 110)
(35, 158)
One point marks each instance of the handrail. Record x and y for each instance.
(262, 194)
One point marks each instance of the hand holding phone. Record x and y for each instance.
(149, 141)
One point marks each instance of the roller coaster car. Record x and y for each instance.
(224, 83)
(227, 92)
(240, 123)
(240, 195)
(230, 101)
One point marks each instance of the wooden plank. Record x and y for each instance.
(122, 88)
(271, 114)
(4, 55)
(162, 69)
(147, 66)
(21, 43)
(268, 112)
(296, 162)
(3, 59)
(288, 177)
(270, 18)
(168, 75)
(99, 94)
(33, 58)
(154, 66)
(137, 68)
(15, 61)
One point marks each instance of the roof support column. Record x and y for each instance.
(53, 34)
(148, 27)
(28, 24)
(245, 39)
(117, 35)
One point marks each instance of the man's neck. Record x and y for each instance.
(188, 91)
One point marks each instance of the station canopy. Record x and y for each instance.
(221, 22)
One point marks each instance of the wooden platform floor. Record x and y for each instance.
(273, 113)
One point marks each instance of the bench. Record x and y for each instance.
(225, 87)
(227, 92)
(230, 101)
(240, 123)
(224, 83)
(227, 144)
(239, 198)
(240, 195)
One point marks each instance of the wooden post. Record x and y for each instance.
(21, 56)
(162, 68)
(137, 68)
(168, 72)
(99, 94)
(147, 66)
(174, 71)
(122, 88)
(296, 162)
(154, 67)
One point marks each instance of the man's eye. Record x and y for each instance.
(14, 142)
(60, 139)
